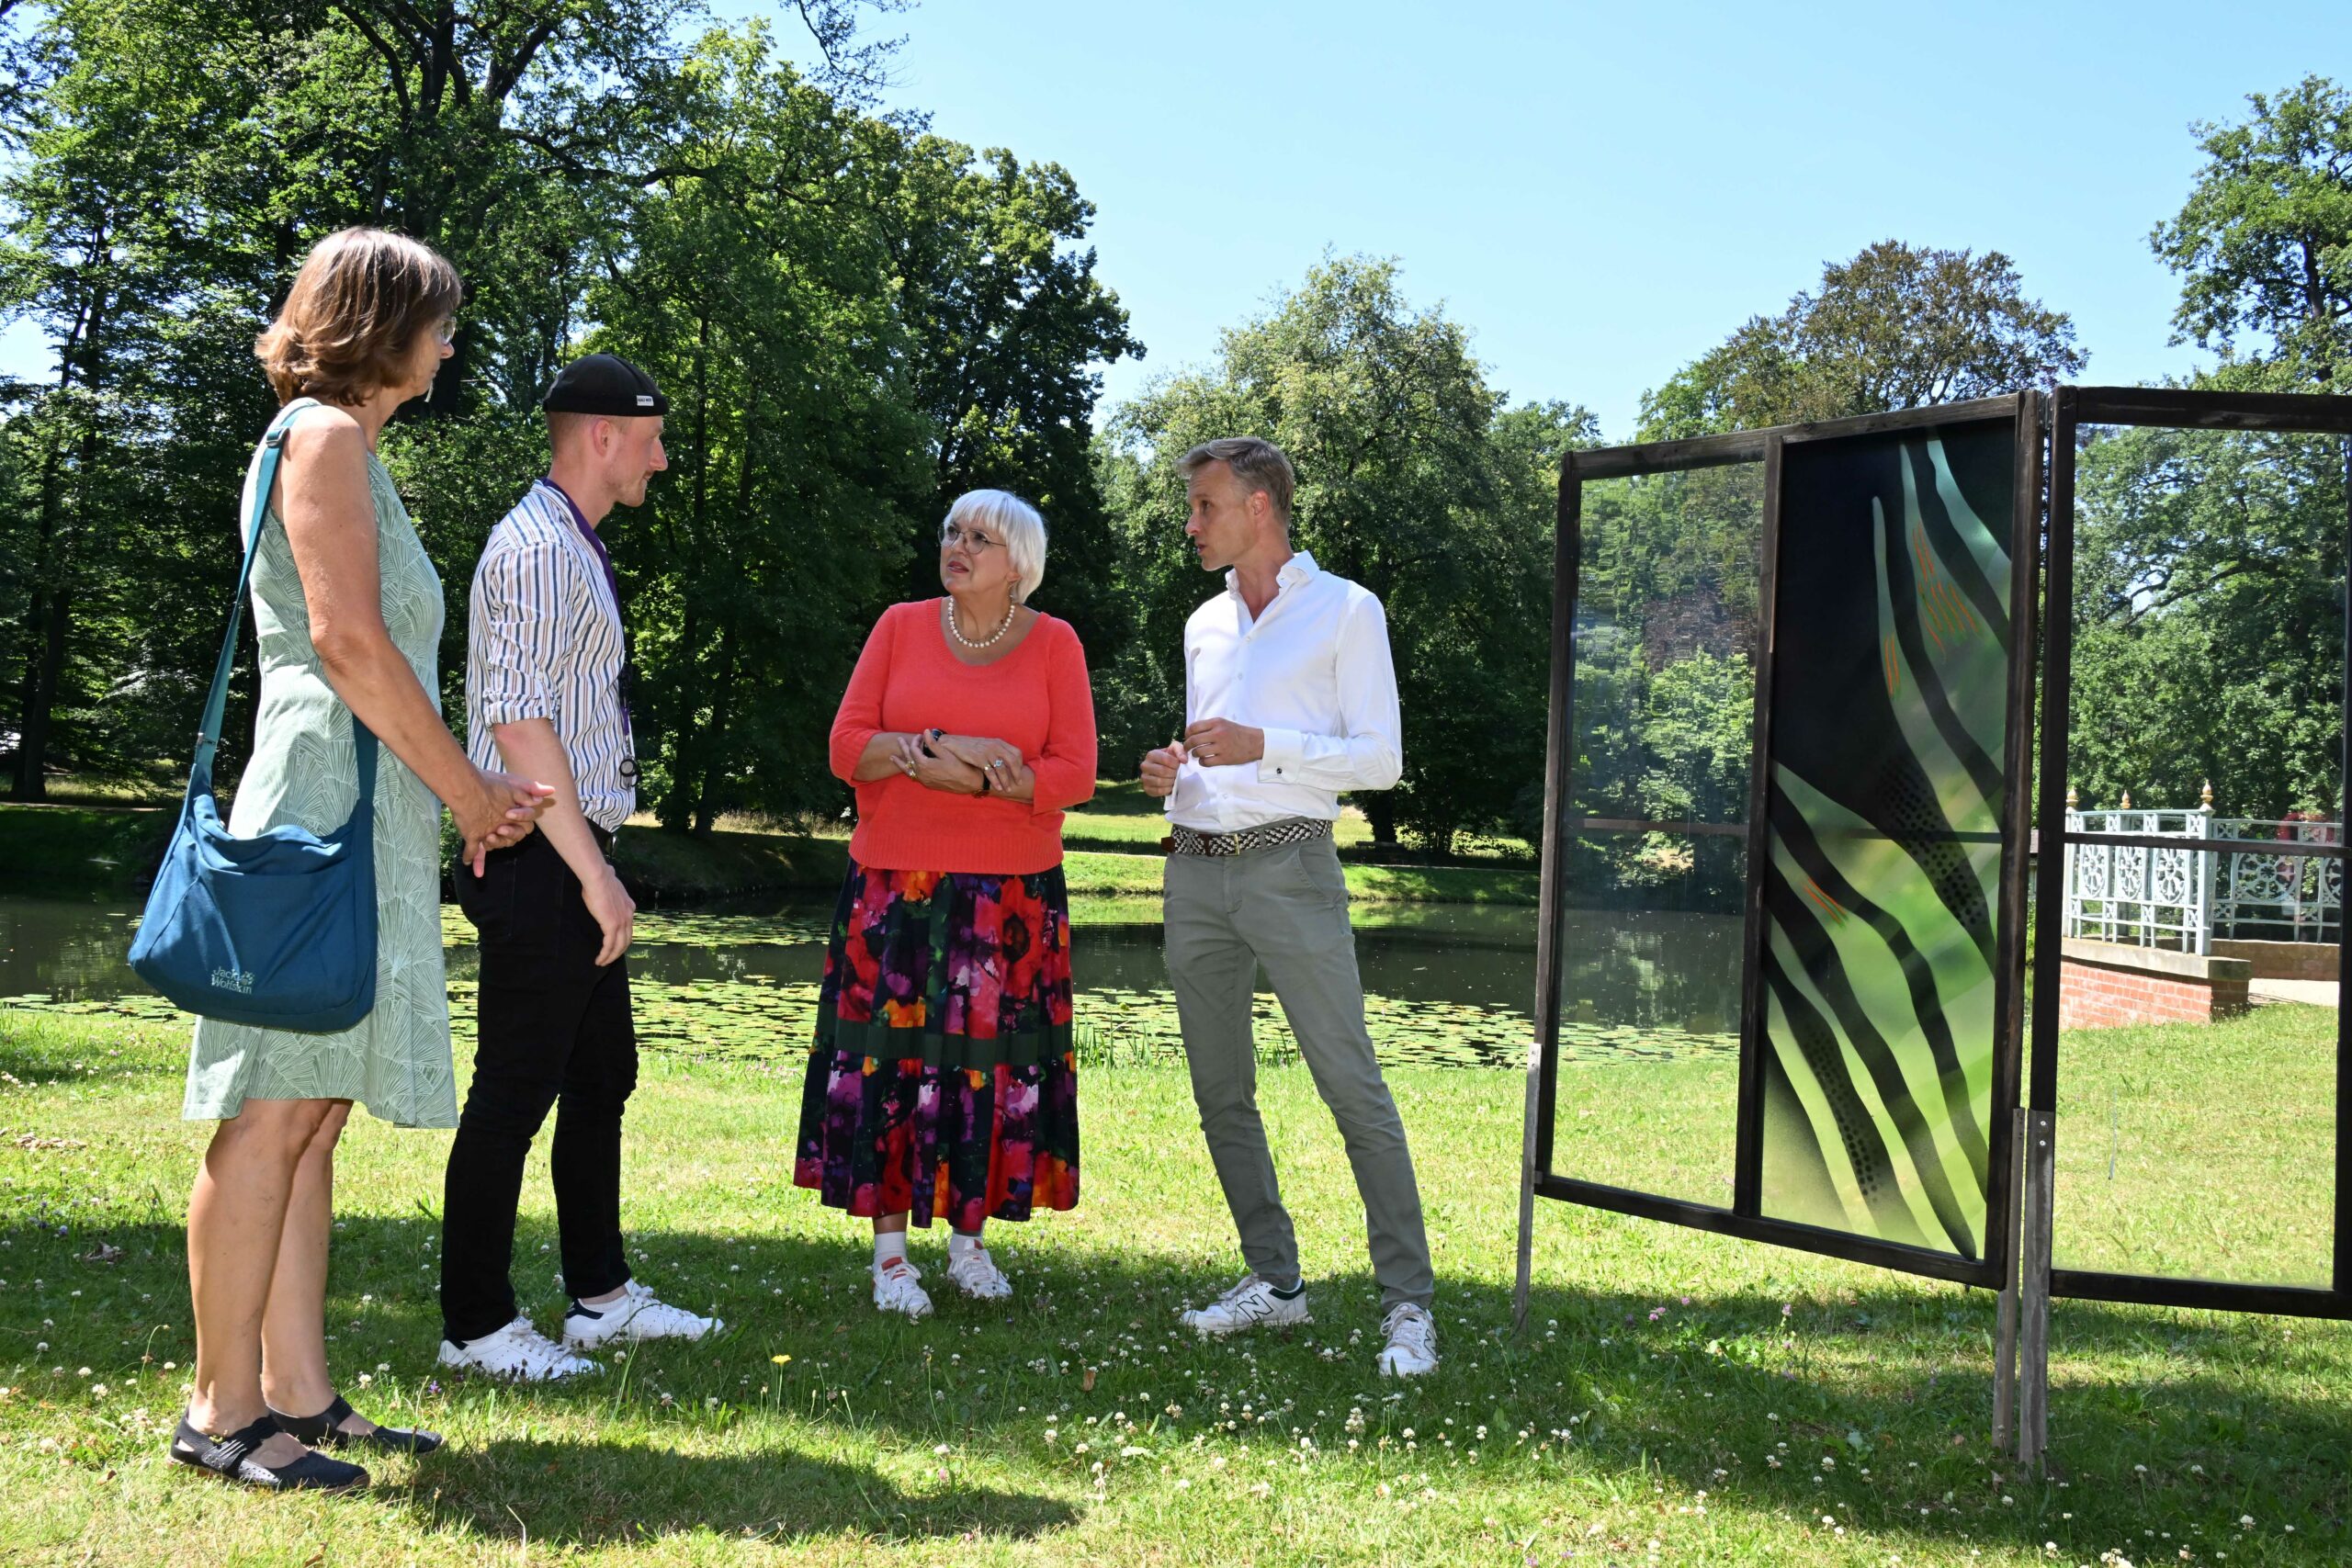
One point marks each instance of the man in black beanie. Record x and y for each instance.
(546, 679)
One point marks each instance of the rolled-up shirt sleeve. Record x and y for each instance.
(1064, 772)
(516, 628)
(1370, 754)
(859, 718)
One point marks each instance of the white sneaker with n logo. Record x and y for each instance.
(1252, 1303)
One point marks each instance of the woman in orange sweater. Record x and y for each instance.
(942, 1081)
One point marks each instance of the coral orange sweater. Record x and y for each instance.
(1034, 698)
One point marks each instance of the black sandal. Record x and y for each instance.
(325, 1431)
(232, 1456)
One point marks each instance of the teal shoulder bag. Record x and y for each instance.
(276, 930)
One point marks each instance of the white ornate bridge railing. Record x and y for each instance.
(2185, 897)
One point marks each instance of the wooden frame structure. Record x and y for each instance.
(2016, 1259)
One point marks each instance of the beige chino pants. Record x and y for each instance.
(1286, 907)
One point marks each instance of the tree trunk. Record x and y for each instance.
(1381, 807)
(33, 746)
(50, 615)
(32, 712)
(677, 808)
(713, 750)
(684, 809)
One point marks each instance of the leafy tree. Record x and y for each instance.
(2263, 241)
(1895, 327)
(796, 452)
(1665, 686)
(2209, 564)
(2210, 635)
(101, 254)
(1415, 482)
(1008, 323)
(852, 316)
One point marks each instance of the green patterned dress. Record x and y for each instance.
(396, 1061)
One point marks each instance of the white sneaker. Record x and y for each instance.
(976, 1275)
(895, 1289)
(1249, 1304)
(518, 1351)
(1412, 1342)
(638, 1314)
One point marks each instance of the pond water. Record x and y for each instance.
(1445, 983)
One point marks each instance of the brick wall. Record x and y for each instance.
(2282, 960)
(2111, 985)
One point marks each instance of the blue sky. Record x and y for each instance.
(1602, 192)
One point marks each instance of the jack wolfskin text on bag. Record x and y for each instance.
(279, 930)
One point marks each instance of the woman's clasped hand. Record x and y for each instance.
(503, 811)
(962, 764)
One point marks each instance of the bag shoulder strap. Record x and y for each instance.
(215, 701)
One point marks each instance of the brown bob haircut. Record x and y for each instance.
(354, 314)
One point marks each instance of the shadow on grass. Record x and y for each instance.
(595, 1493)
(1895, 1373)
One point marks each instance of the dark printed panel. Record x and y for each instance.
(1879, 885)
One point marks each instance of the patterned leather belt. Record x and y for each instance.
(1290, 830)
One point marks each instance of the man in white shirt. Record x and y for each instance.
(1290, 697)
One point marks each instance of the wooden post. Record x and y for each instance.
(1527, 1189)
(2004, 1350)
(2033, 1375)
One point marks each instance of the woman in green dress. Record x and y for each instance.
(347, 610)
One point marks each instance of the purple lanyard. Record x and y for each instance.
(612, 580)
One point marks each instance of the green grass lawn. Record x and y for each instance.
(2232, 1129)
(1681, 1398)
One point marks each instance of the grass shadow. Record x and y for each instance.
(589, 1494)
(1891, 1373)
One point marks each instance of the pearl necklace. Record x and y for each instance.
(989, 641)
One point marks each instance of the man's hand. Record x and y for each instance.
(615, 910)
(1221, 743)
(1160, 769)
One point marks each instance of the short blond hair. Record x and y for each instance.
(1256, 462)
(1017, 523)
(353, 313)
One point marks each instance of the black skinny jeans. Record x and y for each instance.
(554, 1030)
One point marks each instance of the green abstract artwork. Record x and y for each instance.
(1889, 731)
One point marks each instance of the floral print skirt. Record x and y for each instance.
(942, 1083)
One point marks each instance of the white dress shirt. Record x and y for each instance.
(545, 641)
(1314, 673)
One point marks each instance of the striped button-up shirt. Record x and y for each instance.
(545, 641)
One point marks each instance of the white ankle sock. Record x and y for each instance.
(960, 1246)
(888, 1247)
